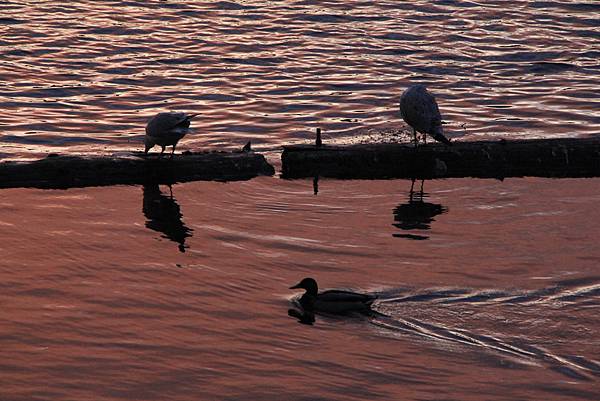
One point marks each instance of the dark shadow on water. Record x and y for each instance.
(309, 317)
(304, 317)
(416, 214)
(163, 215)
(411, 236)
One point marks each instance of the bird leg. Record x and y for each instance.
(415, 136)
(162, 151)
(173, 151)
(424, 138)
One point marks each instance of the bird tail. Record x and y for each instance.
(190, 116)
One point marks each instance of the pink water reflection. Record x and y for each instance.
(96, 304)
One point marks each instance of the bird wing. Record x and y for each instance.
(162, 123)
(420, 110)
(345, 296)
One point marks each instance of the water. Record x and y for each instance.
(82, 78)
(487, 289)
(500, 302)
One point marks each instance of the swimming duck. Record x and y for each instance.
(166, 129)
(332, 301)
(420, 110)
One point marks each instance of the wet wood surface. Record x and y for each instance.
(56, 171)
(569, 157)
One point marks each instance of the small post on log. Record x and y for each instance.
(318, 142)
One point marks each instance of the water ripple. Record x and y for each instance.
(272, 72)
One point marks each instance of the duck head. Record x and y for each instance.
(309, 284)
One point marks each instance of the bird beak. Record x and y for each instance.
(295, 286)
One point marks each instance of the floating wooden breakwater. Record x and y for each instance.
(572, 157)
(58, 171)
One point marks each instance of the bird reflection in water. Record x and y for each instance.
(164, 215)
(416, 214)
(303, 316)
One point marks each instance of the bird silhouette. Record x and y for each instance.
(420, 110)
(166, 129)
(332, 301)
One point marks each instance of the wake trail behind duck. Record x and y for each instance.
(436, 314)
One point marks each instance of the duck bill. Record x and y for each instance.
(295, 286)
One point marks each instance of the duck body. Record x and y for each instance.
(332, 301)
(419, 109)
(166, 129)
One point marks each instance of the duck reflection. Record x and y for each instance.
(164, 215)
(304, 317)
(416, 214)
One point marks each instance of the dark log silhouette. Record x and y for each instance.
(57, 171)
(572, 157)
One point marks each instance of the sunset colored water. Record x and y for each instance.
(487, 290)
(86, 76)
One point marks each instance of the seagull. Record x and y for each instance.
(420, 110)
(167, 129)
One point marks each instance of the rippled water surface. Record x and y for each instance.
(487, 290)
(85, 76)
(151, 293)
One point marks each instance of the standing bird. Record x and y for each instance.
(420, 110)
(167, 129)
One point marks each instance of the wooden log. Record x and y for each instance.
(571, 157)
(57, 171)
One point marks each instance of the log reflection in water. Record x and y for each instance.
(164, 215)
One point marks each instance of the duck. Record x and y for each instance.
(419, 109)
(167, 128)
(332, 301)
